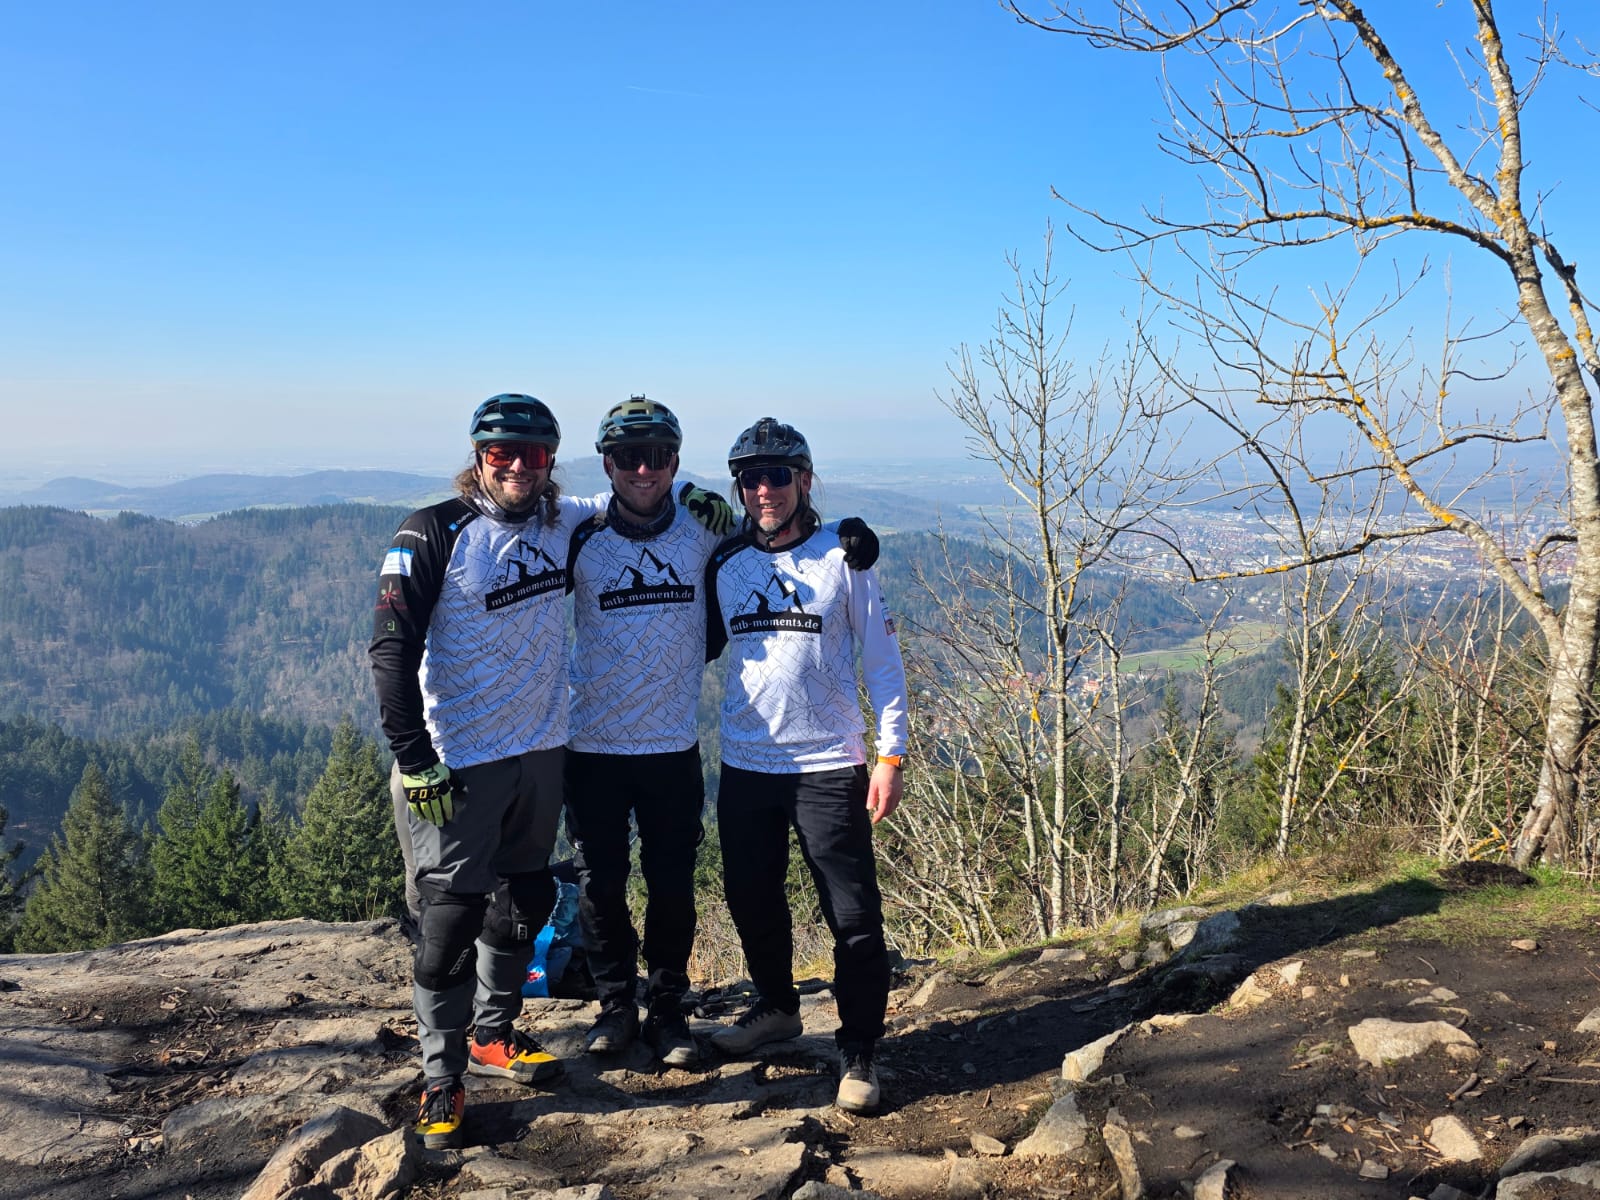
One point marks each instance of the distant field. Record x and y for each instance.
(1247, 637)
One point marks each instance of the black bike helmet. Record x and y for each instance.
(638, 421)
(513, 417)
(769, 442)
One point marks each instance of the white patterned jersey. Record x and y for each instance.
(795, 620)
(469, 648)
(640, 616)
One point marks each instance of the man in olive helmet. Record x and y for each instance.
(794, 751)
(636, 572)
(469, 658)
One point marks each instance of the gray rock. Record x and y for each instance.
(1213, 1181)
(1181, 933)
(1532, 1184)
(1119, 1144)
(1378, 1040)
(1062, 954)
(1003, 974)
(1452, 1139)
(1214, 934)
(1078, 1065)
(1590, 1023)
(966, 1179)
(1445, 1192)
(303, 1154)
(1372, 1170)
(989, 1147)
(382, 1167)
(816, 1190)
(1548, 1151)
(896, 1175)
(1152, 922)
(924, 993)
(1248, 995)
(1062, 1130)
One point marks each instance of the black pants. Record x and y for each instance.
(665, 793)
(828, 812)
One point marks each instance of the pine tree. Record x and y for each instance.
(180, 874)
(11, 883)
(342, 864)
(213, 872)
(93, 880)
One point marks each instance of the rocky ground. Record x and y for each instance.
(1218, 1052)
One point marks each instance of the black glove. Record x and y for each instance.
(859, 543)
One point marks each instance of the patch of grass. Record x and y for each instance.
(1555, 901)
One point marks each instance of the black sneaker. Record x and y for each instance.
(666, 1032)
(761, 1023)
(615, 1028)
(858, 1082)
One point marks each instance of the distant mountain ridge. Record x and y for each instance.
(210, 495)
(207, 495)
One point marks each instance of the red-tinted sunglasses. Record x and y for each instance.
(534, 455)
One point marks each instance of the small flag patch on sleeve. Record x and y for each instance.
(397, 561)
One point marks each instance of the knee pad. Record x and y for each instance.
(446, 950)
(519, 908)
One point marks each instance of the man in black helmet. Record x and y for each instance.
(469, 660)
(636, 572)
(794, 751)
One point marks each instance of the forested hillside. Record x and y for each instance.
(41, 764)
(131, 625)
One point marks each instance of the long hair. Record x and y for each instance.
(548, 504)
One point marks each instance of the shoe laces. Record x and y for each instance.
(513, 1041)
(759, 1011)
(857, 1065)
(522, 1043)
(438, 1102)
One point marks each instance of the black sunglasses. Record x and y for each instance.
(751, 477)
(631, 458)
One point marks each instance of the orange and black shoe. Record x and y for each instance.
(511, 1054)
(444, 1102)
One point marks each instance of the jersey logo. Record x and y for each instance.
(650, 582)
(397, 561)
(518, 582)
(776, 608)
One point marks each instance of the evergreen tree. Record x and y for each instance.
(180, 874)
(11, 883)
(210, 871)
(342, 864)
(93, 880)
(270, 830)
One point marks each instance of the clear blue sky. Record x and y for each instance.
(248, 237)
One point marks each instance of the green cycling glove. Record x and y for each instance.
(428, 793)
(710, 509)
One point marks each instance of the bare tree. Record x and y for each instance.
(1314, 131)
(1035, 639)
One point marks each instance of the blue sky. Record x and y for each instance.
(250, 237)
